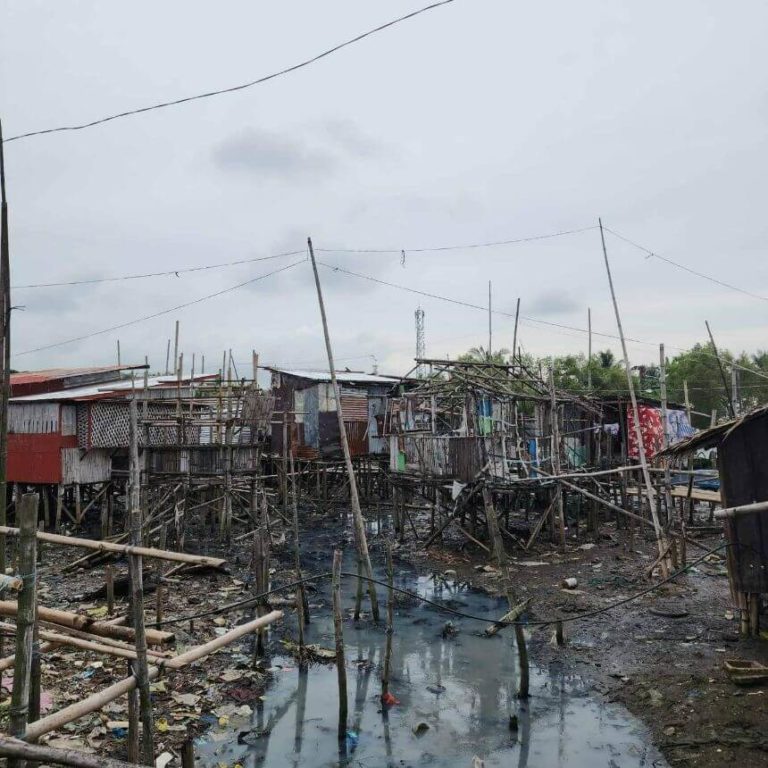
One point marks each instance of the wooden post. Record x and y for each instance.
(140, 667)
(357, 515)
(26, 616)
(390, 622)
(188, 754)
(338, 630)
(302, 606)
(661, 539)
(555, 438)
(665, 426)
(5, 349)
(109, 578)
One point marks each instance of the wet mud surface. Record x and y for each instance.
(666, 671)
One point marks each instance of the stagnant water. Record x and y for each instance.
(461, 687)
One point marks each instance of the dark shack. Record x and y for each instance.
(742, 456)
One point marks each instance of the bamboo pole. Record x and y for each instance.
(508, 618)
(16, 749)
(25, 620)
(5, 351)
(55, 638)
(661, 539)
(555, 437)
(78, 621)
(101, 698)
(302, 603)
(136, 573)
(125, 549)
(338, 630)
(357, 515)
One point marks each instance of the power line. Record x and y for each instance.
(234, 88)
(470, 305)
(458, 247)
(160, 313)
(186, 270)
(652, 254)
(167, 273)
(529, 319)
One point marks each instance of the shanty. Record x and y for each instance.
(383, 385)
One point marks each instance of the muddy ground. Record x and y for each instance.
(665, 667)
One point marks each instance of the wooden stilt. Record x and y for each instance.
(26, 616)
(390, 623)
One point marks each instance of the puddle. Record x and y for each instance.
(462, 687)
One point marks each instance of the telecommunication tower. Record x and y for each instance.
(421, 349)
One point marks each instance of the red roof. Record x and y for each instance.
(36, 382)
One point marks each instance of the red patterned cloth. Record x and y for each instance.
(651, 428)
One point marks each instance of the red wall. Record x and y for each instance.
(36, 458)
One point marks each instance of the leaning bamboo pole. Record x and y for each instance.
(361, 542)
(126, 549)
(661, 539)
(100, 699)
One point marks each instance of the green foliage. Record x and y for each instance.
(697, 366)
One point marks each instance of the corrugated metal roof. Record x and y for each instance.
(52, 374)
(357, 377)
(95, 391)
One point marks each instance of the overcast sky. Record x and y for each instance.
(480, 121)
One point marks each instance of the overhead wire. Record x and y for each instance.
(235, 88)
(653, 254)
(160, 313)
(465, 246)
(166, 273)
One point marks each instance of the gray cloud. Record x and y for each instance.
(276, 156)
(348, 136)
(552, 303)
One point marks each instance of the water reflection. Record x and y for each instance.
(460, 687)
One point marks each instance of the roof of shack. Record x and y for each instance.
(116, 388)
(350, 377)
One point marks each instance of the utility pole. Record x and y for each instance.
(176, 350)
(357, 514)
(661, 539)
(589, 350)
(5, 352)
(735, 393)
(514, 335)
(728, 394)
(490, 322)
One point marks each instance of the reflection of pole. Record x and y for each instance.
(301, 704)
(661, 539)
(338, 630)
(357, 515)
